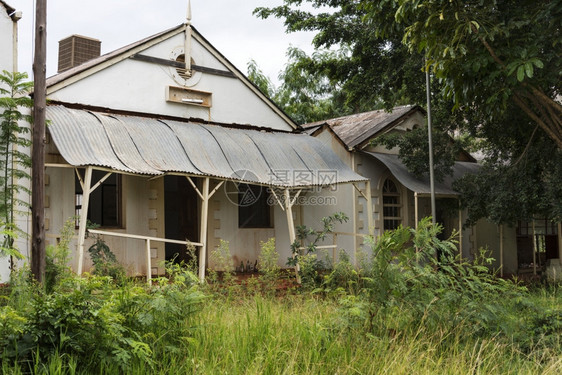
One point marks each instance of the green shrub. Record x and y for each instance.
(309, 263)
(413, 274)
(344, 277)
(100, 322)
(57, 257)
(268, 260)
(105, 262)
(268, 266)
(222, 260)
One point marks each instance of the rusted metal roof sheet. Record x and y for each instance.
(356, 129)
(153, 147)
(85, 141)
(421, 186)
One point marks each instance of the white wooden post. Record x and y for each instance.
(369, 207)
(291, 225)
(148, 263)
(460, 234)
(203, 229)
(84, 218)
(416, 209)
(501, 250)
(334, 250)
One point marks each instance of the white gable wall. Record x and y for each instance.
(139, 86)
(6, 40)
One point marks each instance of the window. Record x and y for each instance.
(391, 205)
(542, 226)
(254, 210)
(104, 208)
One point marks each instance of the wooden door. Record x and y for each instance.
(181, 219)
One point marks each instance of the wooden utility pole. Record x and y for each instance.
(430, 140)
(37, 154)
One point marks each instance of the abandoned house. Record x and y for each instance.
(164, 143)
(400, 198)
(162, 150)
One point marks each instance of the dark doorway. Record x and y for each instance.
(546, 242)
(180, 204)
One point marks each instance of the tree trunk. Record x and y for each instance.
(38, 155)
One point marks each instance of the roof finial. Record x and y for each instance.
(188, 18)
(187, 42)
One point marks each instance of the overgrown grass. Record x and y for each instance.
(401, 312)
(303, 334)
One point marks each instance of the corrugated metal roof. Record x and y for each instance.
(419, 186)
(358, 128)
(153, 147)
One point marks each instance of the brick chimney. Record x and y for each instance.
(75, 50)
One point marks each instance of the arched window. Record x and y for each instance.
(391, 206)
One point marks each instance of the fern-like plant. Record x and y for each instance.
(14, 161)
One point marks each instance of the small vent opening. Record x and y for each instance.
(183, 73)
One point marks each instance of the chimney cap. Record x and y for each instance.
(81, 37)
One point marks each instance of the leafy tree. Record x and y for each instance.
(304, 96)
(485, 53)
(309, 97)
(13, 159)
(371, 68)
(258, 78)
(489, 54)
(496, 69)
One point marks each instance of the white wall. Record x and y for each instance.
(6, 40)
(244, 242)
(486, 235)
(341, 198)
(60, 193)
(6, 63)
(138, 86)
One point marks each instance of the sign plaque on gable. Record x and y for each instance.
(182, 95)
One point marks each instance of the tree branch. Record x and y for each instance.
(553, 133)
(487, 46)
(521, 104)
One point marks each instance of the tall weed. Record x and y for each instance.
(222, 259)
(57, 257)
(413, 274)
(268, 266)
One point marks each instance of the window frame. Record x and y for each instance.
(262, 203)
(391, 191)
(114, 181)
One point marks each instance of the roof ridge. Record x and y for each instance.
(320, 122)
(54, 79)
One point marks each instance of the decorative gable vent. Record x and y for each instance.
(75, 50)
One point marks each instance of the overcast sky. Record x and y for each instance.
(228, 24)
